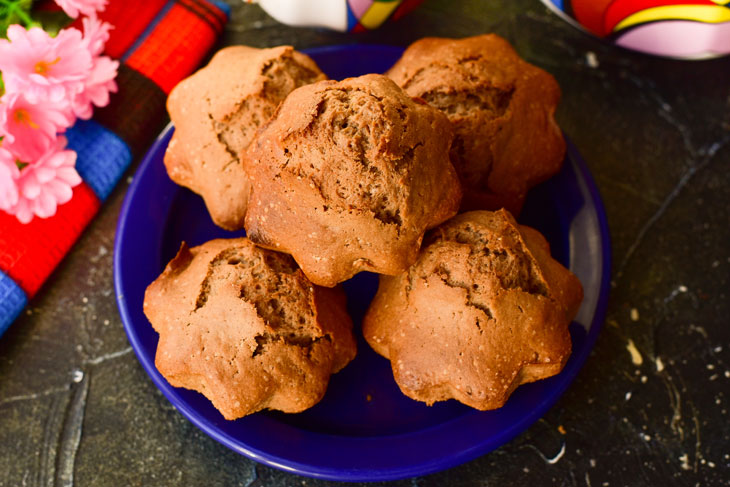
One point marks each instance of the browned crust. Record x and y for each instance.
(244, 326)
(216, 113)
(502, 109)
(484, 309)
(347, 176)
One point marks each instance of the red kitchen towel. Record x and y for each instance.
(158, 43)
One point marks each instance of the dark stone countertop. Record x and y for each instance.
(76, 408)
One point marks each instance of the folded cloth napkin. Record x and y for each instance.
(158, 43)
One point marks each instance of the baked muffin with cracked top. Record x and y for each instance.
(502, 108)
(243, 326)
(347, 176)
(484, 309)
(216, 113)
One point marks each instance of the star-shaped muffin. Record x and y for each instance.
(216, 113)
(243, 326)
(484, 309)
(347, 176)
(502, 109)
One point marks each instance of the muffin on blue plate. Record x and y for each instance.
(216, 113)
(243, 326)
(484, 309)
(348, 176)
(502, 109)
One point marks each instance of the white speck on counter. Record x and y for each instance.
(644, 379)
(627, 396)
(84, 300)
(556, 458)
(710, 367)
(634, 314)
(592, 60)
(659, 364)
(636, 357)
(77, 375)
(680, 289)
(685, 462)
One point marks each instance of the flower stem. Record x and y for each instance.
(25, 18)
(15, 7)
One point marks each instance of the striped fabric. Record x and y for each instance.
(94, 142)
(159, 42)
(12, 301)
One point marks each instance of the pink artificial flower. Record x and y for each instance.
(46, 183)
(43, 67)
(100, 81)
(9, 174)
(97, 87)
(84, 7)
(96, 33)
(29, 129)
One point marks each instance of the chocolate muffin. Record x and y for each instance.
(347, 176)
(243, 326)
(502, 109)
(216, 112)
(484, 309)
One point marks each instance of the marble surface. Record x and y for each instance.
(650, 407)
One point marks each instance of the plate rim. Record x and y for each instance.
(359, 474)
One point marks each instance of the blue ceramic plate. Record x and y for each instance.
(364, 429)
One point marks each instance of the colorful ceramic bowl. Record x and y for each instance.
(341, 15)
(683, 29)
